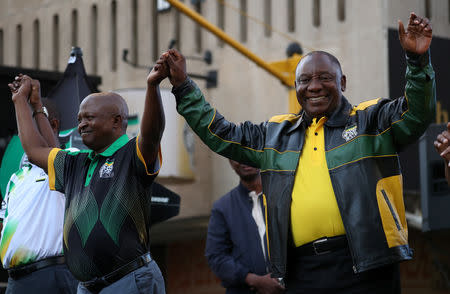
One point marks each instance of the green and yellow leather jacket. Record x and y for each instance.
(361, 145)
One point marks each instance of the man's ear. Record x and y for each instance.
(117, 121)
(343, 83)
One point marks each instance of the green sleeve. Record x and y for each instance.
(241, 142)
(420, 95)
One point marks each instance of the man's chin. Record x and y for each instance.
(87, 143)
(317, 112)
(317, 115)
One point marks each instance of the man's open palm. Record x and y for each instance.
(417, 38)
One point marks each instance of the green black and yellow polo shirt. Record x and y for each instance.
(107, 214)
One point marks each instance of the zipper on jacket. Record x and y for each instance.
(267, 225)
(337, 191)
(391, 209)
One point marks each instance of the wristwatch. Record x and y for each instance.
(43, 110)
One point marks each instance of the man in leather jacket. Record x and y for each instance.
(330, 174)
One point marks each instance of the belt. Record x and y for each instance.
(322, 246)
(97, 284)
(23, 270)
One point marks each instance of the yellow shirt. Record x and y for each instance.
(314, 210)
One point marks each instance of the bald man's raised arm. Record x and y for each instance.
(32, 141)
(153, 120)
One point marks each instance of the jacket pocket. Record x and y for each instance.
(392, 210)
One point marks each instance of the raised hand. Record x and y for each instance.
(20, 87)
(442, 144)
(159, 72)
(417, 37)
(177, 67)
(35, 94)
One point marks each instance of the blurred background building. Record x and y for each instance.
(121, 39)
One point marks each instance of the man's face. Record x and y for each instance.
(245, 172)
(96, 123)
(319, 84)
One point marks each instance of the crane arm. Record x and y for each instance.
(285, 78)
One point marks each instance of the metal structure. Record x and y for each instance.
(283, 70)
(270, 68)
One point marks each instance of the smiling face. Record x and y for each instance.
(99, 122)
(319, 84)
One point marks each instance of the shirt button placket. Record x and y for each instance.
(315, 139)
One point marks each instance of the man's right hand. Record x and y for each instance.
(264, 284)
(177, 67)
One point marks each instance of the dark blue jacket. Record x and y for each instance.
(233, 246)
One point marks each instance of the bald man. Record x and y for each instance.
(106, 224)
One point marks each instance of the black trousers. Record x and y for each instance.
(333, 273)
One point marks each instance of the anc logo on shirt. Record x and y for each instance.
(350, 133)
(106, 171)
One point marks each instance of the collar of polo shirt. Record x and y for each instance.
(116, 145)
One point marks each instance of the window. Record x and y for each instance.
(94, 38)
(243, 21)
(55, 42)
(1, 46)
(268, 17)
(155, 38)
(74, 35)
(291, 15)
(220, 19)
(428, 9)
(316, 13)
(113, 36)
(162, 5)
(36, 44)
(341, 10)
(19, 45)
(177, 29)
(134, 31)
(198, 28)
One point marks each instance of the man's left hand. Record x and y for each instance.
(264, 284)
(159, 72)
(417, 37)
(20, 88)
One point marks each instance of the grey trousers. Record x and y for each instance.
(147, 279)
(55, 279)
